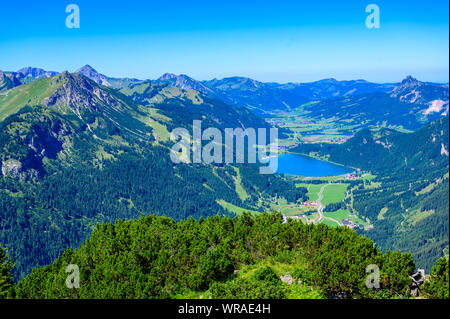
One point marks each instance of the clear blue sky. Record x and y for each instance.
(275, 40)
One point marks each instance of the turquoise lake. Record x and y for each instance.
(295, 164)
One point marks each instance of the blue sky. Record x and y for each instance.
(283, 41)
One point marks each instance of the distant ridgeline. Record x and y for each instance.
(221, 257)
(413, 169)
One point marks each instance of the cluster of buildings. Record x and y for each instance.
(274, 122)
(355, 174)
(350, 223)
(312, 204)
(337, 139)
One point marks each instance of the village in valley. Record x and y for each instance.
(324, 191)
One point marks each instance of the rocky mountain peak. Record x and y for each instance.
(86, 69)
(9, 80)
(167, 77)
(409, 80)
(91, 73)
(36, 73)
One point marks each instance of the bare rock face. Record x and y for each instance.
(91, 73)
(79, 94)
(9, 80)
(11, 167)
(418, 279)
(287, 279)
(36, 73)
(434, 97)
(15, 168)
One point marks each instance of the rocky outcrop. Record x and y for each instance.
(79, 94)
(11, 167)
(8, 80)
(434, 97)
(185, 82)
(23, 153)
(91, 73)
(36, 73)
(287, 279)
(418, 279)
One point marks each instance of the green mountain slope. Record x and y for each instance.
(368, 110)
(74, 153)
(242, 257)
(185, 105)
(409, 208)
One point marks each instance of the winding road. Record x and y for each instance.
(320, 207)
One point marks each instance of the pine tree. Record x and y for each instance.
(5, 273)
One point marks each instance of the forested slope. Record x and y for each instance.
(157, 257)
(74, 153)
(409, 208)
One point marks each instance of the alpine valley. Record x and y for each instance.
(87, 179)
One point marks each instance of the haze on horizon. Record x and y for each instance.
(283, 41)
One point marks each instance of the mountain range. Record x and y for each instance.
(74, 153)
(82, 148)
(427, 100)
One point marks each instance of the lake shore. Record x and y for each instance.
(290, 163)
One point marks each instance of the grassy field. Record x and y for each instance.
(155, 121)
(329, 223)
(288, 209)
(313, 130)
(342, 214)
(235, 209)
(240, 190)
(334, 193)
(313, 190)
(339, 215)
(13, 100)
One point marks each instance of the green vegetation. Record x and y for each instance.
(77, 157)
(334, 193)
(437, 285)
(330, 223)
(313, 190)
(6, 281)
(67, 165)
(156, 257)
(235, 209)
(338, 215)
(28, 94)
(238, 184)
(406, 212)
